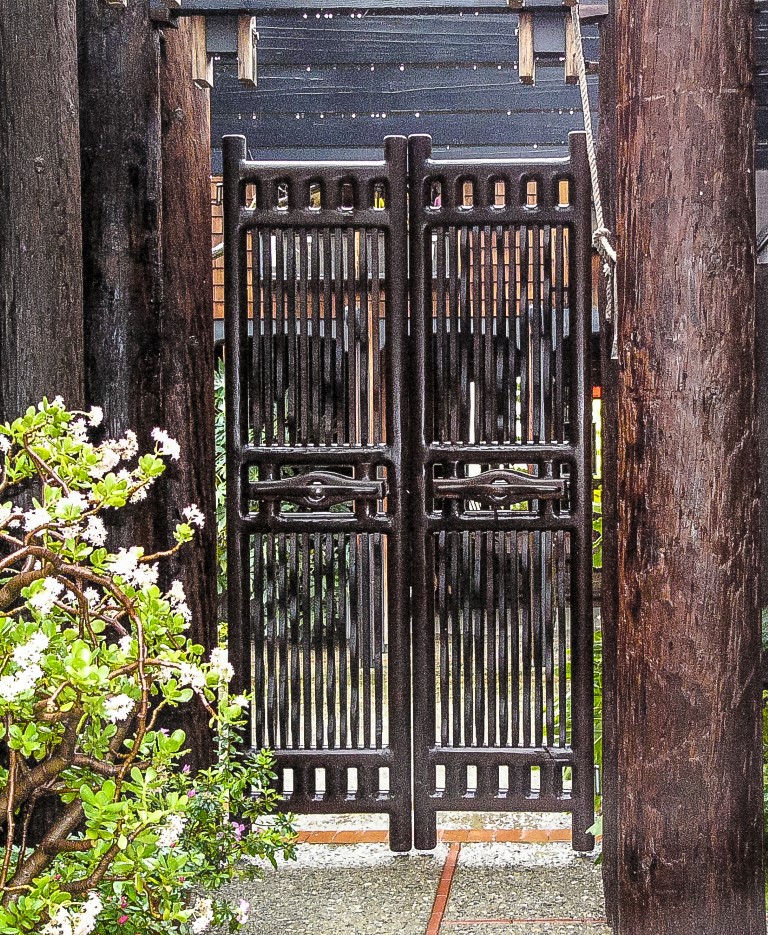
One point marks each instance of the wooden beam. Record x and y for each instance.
(41, 267)
(689, 759)
(526, 54)
(247, 44)
(571, 52)
(186, 350)
(202, 62)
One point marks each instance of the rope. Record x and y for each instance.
(601, 236)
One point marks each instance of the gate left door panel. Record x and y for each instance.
(316, 306)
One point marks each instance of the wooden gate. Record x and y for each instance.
(412, 500)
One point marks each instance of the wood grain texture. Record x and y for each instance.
(608, 381)
(41, 325)
(688, 649)
(123, 272)
(186, 343)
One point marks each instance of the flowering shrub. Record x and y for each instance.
(91, 653)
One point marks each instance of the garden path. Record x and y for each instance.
(489, 875)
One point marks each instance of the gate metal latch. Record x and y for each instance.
(500, 488)
(318, 489)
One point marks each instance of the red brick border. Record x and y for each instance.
(443, 890)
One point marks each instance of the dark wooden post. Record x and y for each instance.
(688, 649)
(608, 380)
(123, 271)
(41, 273)
(186, 359)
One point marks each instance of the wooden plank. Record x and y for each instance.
(388, 90)
(291, 39)
(526, 55)
(247, 39)
(365, 131)
(571, 52)
(202, 62)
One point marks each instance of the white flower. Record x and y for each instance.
(6, 511)
(12, 686)
(241, 913)
(128, 446)
(60, 924)
(79, 431)
(177, 598)
(92, 596)
(138, 495)
(118, 708)
(202, 913)
(33, 519)
(191, 675)
(29, 653)
(145, 576)
(176, 593)
(194, 516)
(5, 443)
(171, 832)
(58, 402)
(95, 531)
(44, 599)
(167, 445)
(96, 415)
(126, 562)
(241, 701)
(89, 913)
(220, 665)
(110, 458)
(125, 643)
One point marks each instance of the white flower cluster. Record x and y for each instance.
(74, 500)
(194, 516)
(220, 664)
(118, 707)
(202, 915)
(171, 832)
(112, 452)
(5, 443)
(44, 599)
(95, 531)
(66, 922)
(191, 675)
(177, 598)
(27, 656)
(126, 565)
(34, 519)
(167, 446)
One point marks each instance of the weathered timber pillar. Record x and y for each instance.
(41, 273)
(608, 380)
(688, 646)
(120, 139)
(187, 357)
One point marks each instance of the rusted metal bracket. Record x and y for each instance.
(318, 489)
(499, 488)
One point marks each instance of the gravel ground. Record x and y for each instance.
(364, 889)
(340, 889)
(524, 881)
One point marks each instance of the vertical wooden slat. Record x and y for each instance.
(526, 55)
(202, 62)
(247, 44)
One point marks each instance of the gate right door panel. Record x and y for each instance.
(501, 487)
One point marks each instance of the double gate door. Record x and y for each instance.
(409, 481)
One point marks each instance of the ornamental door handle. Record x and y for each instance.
(318, 489)
(499, 488)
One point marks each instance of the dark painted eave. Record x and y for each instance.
(589, 11)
